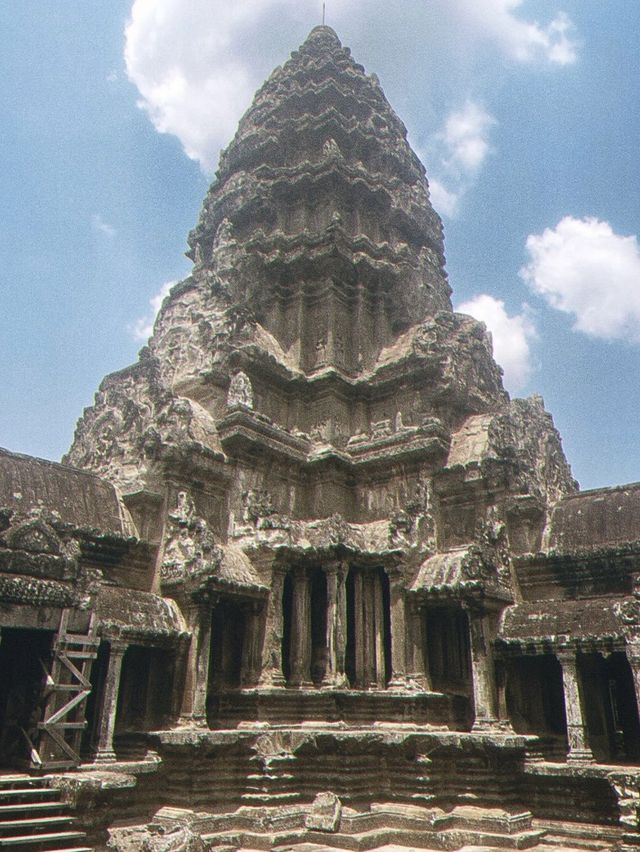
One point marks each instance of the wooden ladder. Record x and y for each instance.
(68, 688)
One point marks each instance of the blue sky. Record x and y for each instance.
(525, 114)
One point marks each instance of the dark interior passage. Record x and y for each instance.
(535, 701)
(610, 707)
(447, 649)
(227, 643)
(25, 659)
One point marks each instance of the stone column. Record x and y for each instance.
(104, 750)
(300, 649)
(272, 675)
(368, 629)
(336, 618)
(249, 670)
(398, 630)
(202, 638)
(378, 619)
(359, 628)
(579, 749)
(632, 651)
(179, 676)
(500, 667)
(417, 672)
(482, 672)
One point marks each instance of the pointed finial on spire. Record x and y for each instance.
(324, 13)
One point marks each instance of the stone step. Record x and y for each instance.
(34, 794)
(369, 840)
(50, 841)
(34, 818)
(24, 826)
(558, 841)
(564, 835)
(30, 807)
(70, 849)
(11, 781)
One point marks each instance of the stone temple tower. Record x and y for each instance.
(308, 577)
(320, 447)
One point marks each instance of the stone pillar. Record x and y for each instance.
(359, 628)
(336, 625)
(179, 676)
(632, 651)
(368, 629)
(417, 669)
(300, 649)
(202, 639)
(104, 751)
(249, 671)
(378, 618)
(482, 672)
(500, 667)
(579, 749)
(398, 630)
(271, 675)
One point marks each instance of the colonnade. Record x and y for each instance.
(371, 638)
(332, 626)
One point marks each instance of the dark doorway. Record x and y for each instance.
(146, 682)
(25, 659)
(447, 650)
(535, 701)
(227, 643)
(610, 707)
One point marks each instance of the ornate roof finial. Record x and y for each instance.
(324, 13)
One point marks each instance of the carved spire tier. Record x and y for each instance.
(321, 211)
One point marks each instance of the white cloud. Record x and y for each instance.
(465, 138)
(101, 227)
(583, 268)
(497, 21)
(457, 153)
(142, 328)
(193, 77)
(197, 64)
(512, 336)
(444, 200)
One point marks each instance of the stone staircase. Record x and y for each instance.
(34, 818)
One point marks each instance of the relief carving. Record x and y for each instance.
(190, 549)
(258, 511)
(240, 393)
(487, 560)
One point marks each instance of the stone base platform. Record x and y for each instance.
(318, 826)
(341, 787)
(293, 706)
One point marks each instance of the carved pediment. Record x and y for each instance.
(34, 536)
